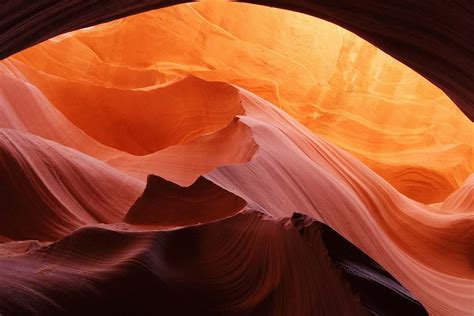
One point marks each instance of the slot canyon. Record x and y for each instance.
(226, 158)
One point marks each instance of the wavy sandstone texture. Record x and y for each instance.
(281, 166)
(318, 73)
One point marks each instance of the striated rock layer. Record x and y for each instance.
(48, 190)
(247, 264)
(163, 179)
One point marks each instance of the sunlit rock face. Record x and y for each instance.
(336, 84)
(222, 158)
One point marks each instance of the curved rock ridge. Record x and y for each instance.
(48, 190)
(330, 80)
(244, 264)
(409, 32)
(115, 118)
(184, 163)
(167, 204)
(427, 249)
(461, 200)
(23, 107)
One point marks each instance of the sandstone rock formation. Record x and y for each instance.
(224, 158)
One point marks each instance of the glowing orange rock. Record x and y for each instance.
(126, 113)
(336, 84)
